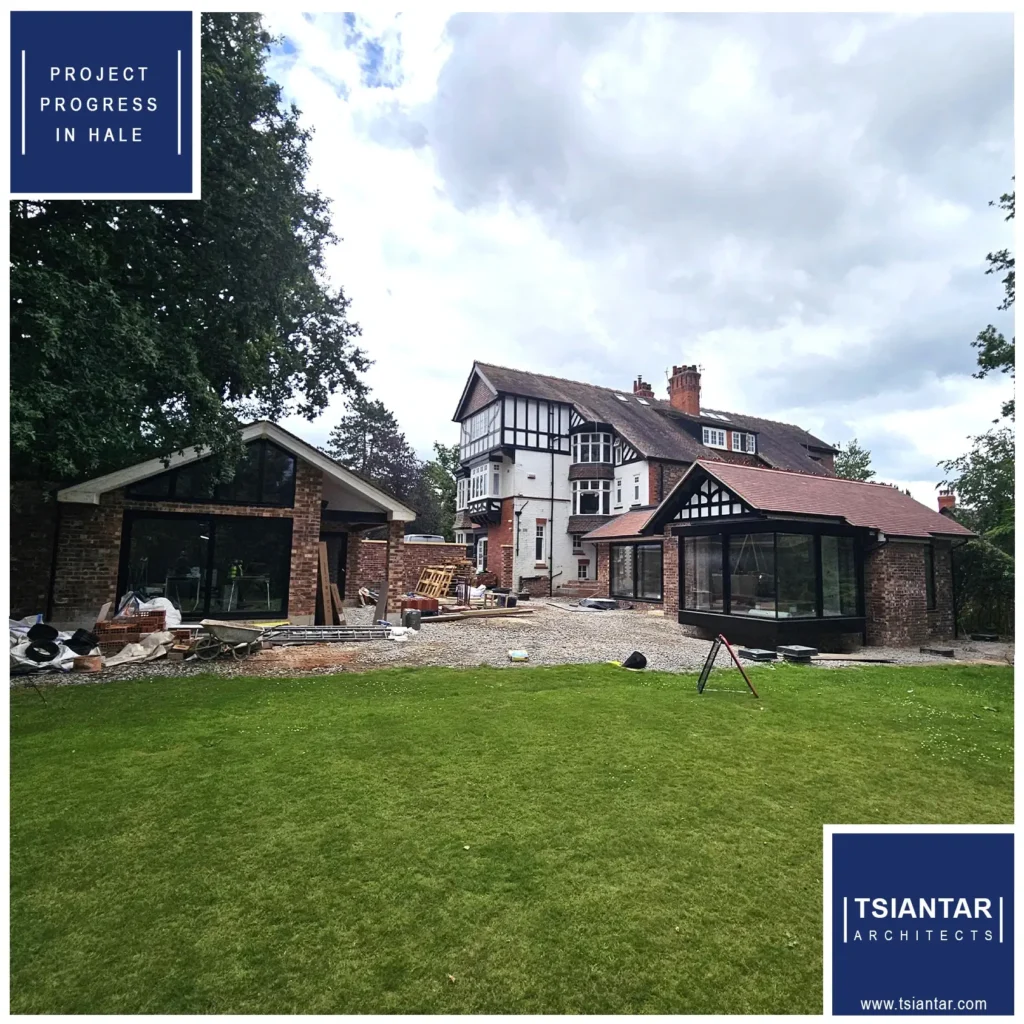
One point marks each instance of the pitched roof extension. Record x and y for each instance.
(870, 505)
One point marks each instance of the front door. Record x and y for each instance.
(481, 554)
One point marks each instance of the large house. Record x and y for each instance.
(734, 523)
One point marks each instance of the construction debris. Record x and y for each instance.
(478, 613)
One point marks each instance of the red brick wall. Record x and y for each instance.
(895, 597)
(662, 477)
(88, 551)
(498, 536)
(507, 565)
(418, 556)
(33, 521)
(90, 546)
(366, 564)
(395, 564)
(479, 396)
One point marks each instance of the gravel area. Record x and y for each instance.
(554, 634)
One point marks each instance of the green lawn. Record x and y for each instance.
(246, 845)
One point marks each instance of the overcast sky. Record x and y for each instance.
(797, 203)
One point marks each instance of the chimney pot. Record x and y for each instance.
(947, 499)
(641, 388)
(684, 389)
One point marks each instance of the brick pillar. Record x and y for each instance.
(305, 556)
(506, 566)
(603, 553)
(670, 572)
(396, 564)
(352, 581)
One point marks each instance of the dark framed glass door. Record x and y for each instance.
(208, 565)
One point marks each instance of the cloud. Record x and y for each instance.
(797, 203)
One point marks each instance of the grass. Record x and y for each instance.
(278, 845)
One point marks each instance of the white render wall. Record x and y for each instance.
(626, 474)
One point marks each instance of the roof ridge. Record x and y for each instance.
(813, 476)
(660, 401)
(564, 380)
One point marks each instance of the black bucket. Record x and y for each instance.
(41, 631)
(82, 641)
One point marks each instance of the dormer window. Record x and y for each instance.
(742, 442)
(592, 448)
(714, 438)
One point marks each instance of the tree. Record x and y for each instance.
(853, 462)
(368, 440)
(994, 351)
(439, 476)
(140, 328)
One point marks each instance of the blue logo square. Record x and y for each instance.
(921, 922)
(103, 104)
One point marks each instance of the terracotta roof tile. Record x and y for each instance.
(629, 524)
(875, 506)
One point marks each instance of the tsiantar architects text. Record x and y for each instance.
(959, 910)
(66, 103)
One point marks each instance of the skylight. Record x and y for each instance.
(643, 401)
(622, 398)
(716, 416)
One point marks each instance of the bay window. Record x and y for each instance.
(592, 448)
(481, 432)
(591, 497)
(485, 481)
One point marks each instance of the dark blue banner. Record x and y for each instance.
(922, 922)
(102, 104)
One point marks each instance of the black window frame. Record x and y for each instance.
(211, 519)
(634, 546)
(131, 491)
(931, 597)
(734, 531)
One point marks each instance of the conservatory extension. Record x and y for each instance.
(769, 557)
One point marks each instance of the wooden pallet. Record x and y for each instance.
(435, 580)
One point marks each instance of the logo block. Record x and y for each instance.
(104, 104)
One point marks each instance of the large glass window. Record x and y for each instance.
(591, 497)
(703, 588)
(230, 565)
(592, 448)
(795, 568)
(752, 574)
(250, 565)
(838, 576)
(265, 476)
(648, 571)
(635, 571)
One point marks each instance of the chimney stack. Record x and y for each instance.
(947, 500)
(684, 389)
(641, 388)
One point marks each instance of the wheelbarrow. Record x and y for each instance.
(222, 637)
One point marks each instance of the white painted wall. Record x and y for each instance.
(626, 474)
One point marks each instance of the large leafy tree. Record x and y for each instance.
(853, 462)
(146, 327)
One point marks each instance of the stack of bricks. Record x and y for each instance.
(113, 634)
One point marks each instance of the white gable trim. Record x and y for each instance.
(473, 375)
(88, 493)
